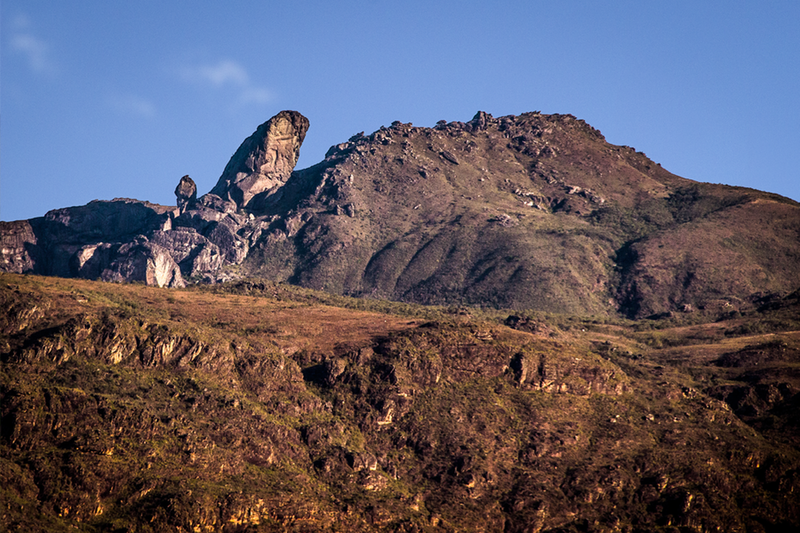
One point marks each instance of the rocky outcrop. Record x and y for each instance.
(140, 260)
(264, 161)
(144, 261)
(186, 193)
(194, 253)
(129, 240)
(120, 219)
(18, 247)
(519, 212)
(101, 240)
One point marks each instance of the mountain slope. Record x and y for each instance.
(534, 211)
(254, 407)
(529, 212)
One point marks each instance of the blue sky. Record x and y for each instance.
(104, 99)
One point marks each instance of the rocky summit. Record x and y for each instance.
(532, 211)
(264, 161)
(186, 193)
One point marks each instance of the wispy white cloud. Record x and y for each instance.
(228, 74)
(131, 104)
(224, 72)
(33, 49)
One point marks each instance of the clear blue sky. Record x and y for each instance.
(104, 98)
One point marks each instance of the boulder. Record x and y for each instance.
(146, 262)
(186, 192)
(480, 121)
(193, 253)
(215, 203)
(449, 157)
(264, 161)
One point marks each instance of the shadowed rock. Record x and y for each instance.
(186, 192)
(194, 254)
(143, 261)
(19, 244)
(140, 261)
(264, 161)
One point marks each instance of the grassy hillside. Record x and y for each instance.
(263, 407)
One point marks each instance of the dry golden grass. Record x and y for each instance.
(293, 326)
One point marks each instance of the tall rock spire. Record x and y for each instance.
(264, 161)
(186, 193)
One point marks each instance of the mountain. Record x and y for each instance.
(603, 346)
(532, 211)
(256, 406)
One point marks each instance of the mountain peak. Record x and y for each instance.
(533, 211)
(264, 161)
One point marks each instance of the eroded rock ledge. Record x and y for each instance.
(128, 240)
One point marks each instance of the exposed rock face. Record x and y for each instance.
(136, 261)
(101, 240)
(522, 212)
(121, 218)
(480, 120)
(17, 246)
(195, 254)
(186, 193)
(264, 161)
(144, 261)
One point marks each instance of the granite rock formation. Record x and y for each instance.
(526, 212)
(186, 193)
(264, 161)
(531, 211)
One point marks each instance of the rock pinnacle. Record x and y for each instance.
(264, 161)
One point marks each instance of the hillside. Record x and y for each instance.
(256, 406)
(535, 211)
(532, 212)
